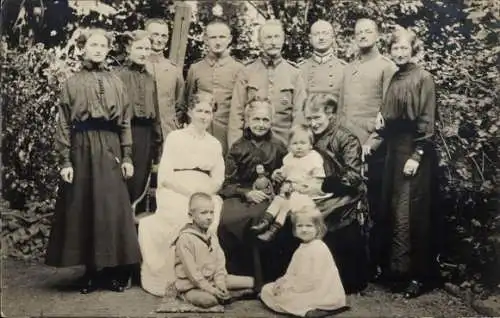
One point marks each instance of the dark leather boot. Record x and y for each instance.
(89, 282)
(270, 234)
(263, 224)
(414, 289)
(113, 279)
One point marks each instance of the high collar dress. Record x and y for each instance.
(93, 223)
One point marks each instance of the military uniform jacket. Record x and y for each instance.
(322, 73)
(277, 80)
(216, 76)
(170, 91)
(361, 94)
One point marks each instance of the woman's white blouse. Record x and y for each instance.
(184, 149)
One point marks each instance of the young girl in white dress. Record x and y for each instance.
(311, 286)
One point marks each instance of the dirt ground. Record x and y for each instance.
(31, 289)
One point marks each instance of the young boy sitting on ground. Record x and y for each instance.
(200, 264)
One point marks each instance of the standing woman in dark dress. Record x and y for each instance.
(243, 206)
(146, 125)
(407, 121)
(93, 223)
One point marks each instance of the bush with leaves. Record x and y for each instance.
(461, 51)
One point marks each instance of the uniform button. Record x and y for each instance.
(331, 75)
(331, 85)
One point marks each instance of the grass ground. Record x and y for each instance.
(33, 289)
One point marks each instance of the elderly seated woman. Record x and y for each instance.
(244, 207)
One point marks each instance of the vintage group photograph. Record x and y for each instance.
(268, 158)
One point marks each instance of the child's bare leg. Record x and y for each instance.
(282, 214)
(239, 282)
(241, 287)
(200, 298)
(276, 204)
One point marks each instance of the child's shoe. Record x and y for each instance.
(270, 234)
(263, 224)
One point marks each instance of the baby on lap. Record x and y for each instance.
(301, 176)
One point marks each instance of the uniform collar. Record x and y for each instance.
(212, 60)
(322, 58)
(373, 54)
(156, 57)
(270, 62)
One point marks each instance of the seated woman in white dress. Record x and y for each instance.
(191, 162)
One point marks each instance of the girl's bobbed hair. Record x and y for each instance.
(314, 215)
(399, 32)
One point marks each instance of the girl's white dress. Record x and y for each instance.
(191, 163)
(311, 282)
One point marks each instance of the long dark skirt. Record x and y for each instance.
(235, 238)
(93, 223)
(346, 241)
(142, 151)
(379, 230)
(408, 201)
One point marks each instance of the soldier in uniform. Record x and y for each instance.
(216, 74)
(169, 79)
(272, 77)
(323, 70)
(361, 94)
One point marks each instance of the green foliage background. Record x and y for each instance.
(461, 51)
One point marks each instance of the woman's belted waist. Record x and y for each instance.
(96, 124)
(142, 121)
(194, 169)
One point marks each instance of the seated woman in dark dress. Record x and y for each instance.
(243, 206)
(341, 153)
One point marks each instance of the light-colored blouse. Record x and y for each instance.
(184, 150)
